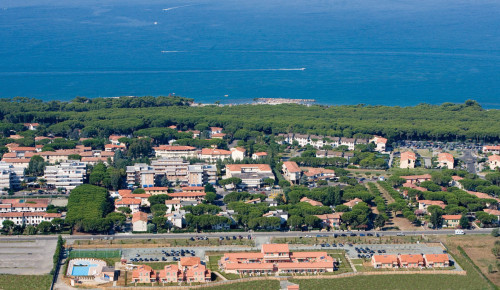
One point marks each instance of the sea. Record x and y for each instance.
(379, 52)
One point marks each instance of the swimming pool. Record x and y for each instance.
(81, 270)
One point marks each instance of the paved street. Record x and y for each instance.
(470, 161)
(253, 234)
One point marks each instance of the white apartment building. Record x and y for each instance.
(67, 175)
(142, 174)
(238, 153)
(251, 175)
(169, 151)
(172, 168)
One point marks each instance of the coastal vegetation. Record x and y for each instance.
(103, 116)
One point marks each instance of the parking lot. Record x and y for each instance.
(162, 254)
(27, 257)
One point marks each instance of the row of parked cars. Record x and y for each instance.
(240, 237)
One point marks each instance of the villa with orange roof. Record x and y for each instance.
(436, 260)
(408, 160)
(187, 269)
(417, 178)
(114, 147)
(140, 222)
(331, 220)
(314, 174)
(251, 175)
(451, 220)
(380, 143)
(311, 201)
(446, 160)
(494, 161)
(424, 204)
(494, 212)
(385, 261)
(115, 139)
(291, 172)
(411, 261)
(132, 203)
(259, 155)
(238, 153)
(276, 258)
(352, 203)
(184, 196)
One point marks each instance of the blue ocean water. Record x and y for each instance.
(336, 51)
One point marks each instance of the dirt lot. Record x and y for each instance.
(26, 257)
(478, 248)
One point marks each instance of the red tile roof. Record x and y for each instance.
(291, 166)
(413, 259)
(210, 151)
(174, 148)
(139, 216)
(494, 158)
(451, 217)
(239, 167)
(275, 248)
(436, 258)
(189, 261)
(128, 201)
(385, 259)
(408, 155)
(442, 157)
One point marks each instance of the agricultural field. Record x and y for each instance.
(25, 282)
(261, 285)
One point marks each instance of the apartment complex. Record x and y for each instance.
(67, 175)
(200, 174)
(251, 175)
(142, 174)
(188, 269)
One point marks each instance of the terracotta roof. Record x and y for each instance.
(385, 259)
(172, 201)
(311, 201)
(261, 153)
(494, 158)
(10, 155)
(275, 248)
(249, 266)
(240, 149)
(451, 216)
(193, 188)
(187, 194)
(16, 160)
(408, 155)
(456, 178)
(218, 135)
(331, 216)
(379, 139)
(489, 147)
(239, 167)
(436, 258)
(411, 259)
(210, 151)
(115, 146)
(415, 177)
(445, 157)
(353, 202)
(482, 195)
(411, 185)
(189, 261)
(216, 128)
(116, 137)
(128, 201)
(291, 166)
(174, 148)
(94, 159)
(236, 256)
(123, 192)
(433, 202)
(492, 211)
(156, 188)
(308, 254)
(139, 216)
(312, 171)
(20, 149)
(305, 265)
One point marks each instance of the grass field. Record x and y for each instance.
(159, 265)
(166, 242)
(254, 285)
(25, 282)
(110, 256)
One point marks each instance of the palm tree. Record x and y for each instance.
(42, 182)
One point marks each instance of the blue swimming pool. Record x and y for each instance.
(81, 269)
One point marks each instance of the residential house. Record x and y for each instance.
(436, 260)
(140, 222)
(155, 190)
(492, 149)
(176, 219)
(331, 220)
(494, 212)
(451, 220)
(194, 196)
(415, 179)
(132, 203)
(259, 155)
(27, 218)
(311, 201)
(115, 139)
(279, 213)
(315, 174)
(408, 160)
(411, 261)
(10, 176)
(114, 147)
(187, 269)
(446, 160)
(215, 130)
(173, 205)
(385, 261)
(276, 258)
(380, 143)
(494, 161)
(24, 205)
(352, 203)
(349, 142)
(303, 140)
(238, 153)
(424, 204)
(291, 172)
(144, 274)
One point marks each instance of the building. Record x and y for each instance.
(168, 151)
(186, 196)
(259, 155)
(492, 149)
(411, 261)
(115, 139)
(279, 213)
(140, 222)
(238, 153)
(144, 274)
(141, 174)
(494, 161)
(415, 179)
(385, 261)
(67, 175)
(349, 142)
(352, 203)
(10, 176)
(27, 218)
(31, 126)
(132, 203)
(451, 220)
(311, 201)
(201, 174)
(174, 169)
(315, 174)
(380, 143)
(176, 219)
(446, 160)
(331, 220)
(436, 260)
(494, 212)
(212, 155)
(408, 160)
(114, 147)
(291, 172)
(155, 190)
(424, 204)
(251, 175)
(173, 205)
(24, 205)
(276, 258)
(328, 154)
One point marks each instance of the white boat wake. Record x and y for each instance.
(176, 7)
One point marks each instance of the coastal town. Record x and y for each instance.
(212, 187)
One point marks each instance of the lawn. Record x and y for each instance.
(25, 282)
(254, 285)
(110, 256)
(159, 265)
(214, 266)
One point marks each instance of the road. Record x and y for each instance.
(470, 161)
(253, 234)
